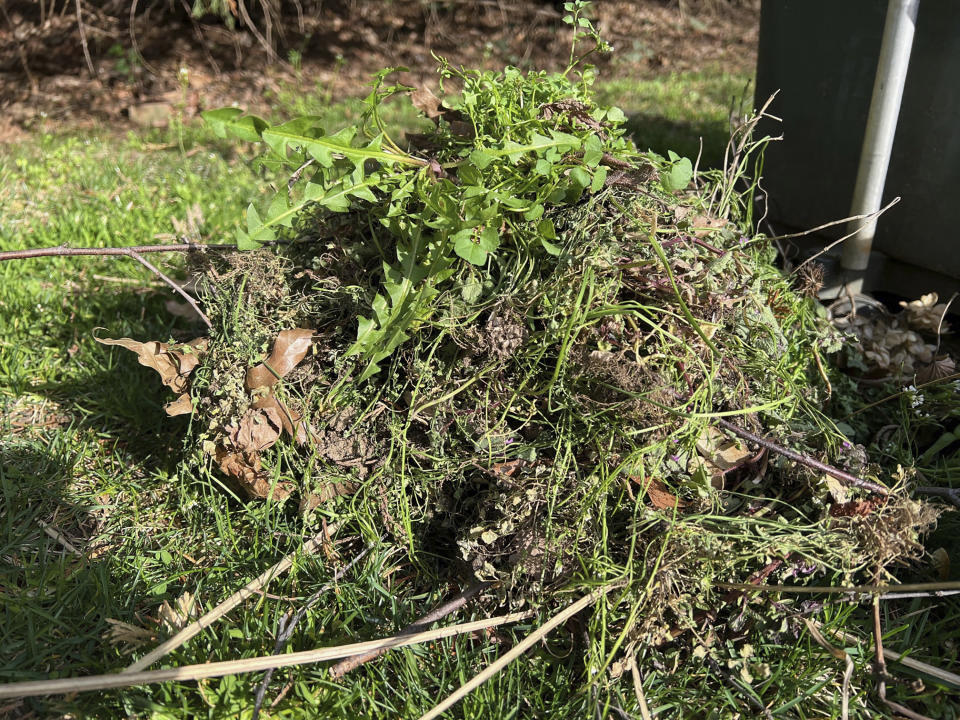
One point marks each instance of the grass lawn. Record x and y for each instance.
(101, 523)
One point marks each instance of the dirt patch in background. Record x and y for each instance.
(45, 78)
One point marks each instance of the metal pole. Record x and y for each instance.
(878, 138)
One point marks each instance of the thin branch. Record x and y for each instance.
(288, 623)
(176, 288)
(951, 495)
(83, 41)
(804, 459)
(34, 86)
(515, 652)
(34, 688)
(866, 216)
(839, 654)
(308, 548)
(63, 250)
(438, 613)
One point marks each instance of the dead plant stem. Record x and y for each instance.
(804, 459)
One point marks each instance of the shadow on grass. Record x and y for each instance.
(661, 134)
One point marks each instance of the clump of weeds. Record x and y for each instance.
(518, 350)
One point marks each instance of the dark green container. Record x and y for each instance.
(822, 57)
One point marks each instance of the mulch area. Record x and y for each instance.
(46, 81)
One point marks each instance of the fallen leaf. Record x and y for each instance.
(721, 450)
(258, 429)
(174, 363)
(659, 494)
(290, 347)
(127, 637)
(245, 470)
(175, 617)
(181, 406)
(426, 102)
(289, 419)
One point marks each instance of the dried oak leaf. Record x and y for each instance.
(181, 406)
(290, 347)
(258, 429)
(174, 363)
(245, 470)
(426, 102)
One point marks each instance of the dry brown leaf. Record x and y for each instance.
(721, 450)
(258, 429)
(659, 494)
(181, 406)
(174, 363)
(127, 637)
(245, 470)
(703, 225)
(426, 102)
(289, 419)
(175, 617)
(290, 347)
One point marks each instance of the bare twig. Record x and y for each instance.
(34, 688)
(951, 495)
(308, 548)
(638, 686)
(804, 459)
(34, 86)
(83, 41)
(438, 613)
(881, 666)
(59, 537)
(943, 676)
(515, 652)
(63, 250)
(288, 623)
(176, 288)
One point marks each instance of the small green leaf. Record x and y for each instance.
(592, 151)
(678, 175)
(467, 245)
(245, 242)
(579, 177)
(616, 115)
(599, 178)
(546, 229)
(482, 158)
(534, 213)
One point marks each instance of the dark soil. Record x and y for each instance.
(45, 77)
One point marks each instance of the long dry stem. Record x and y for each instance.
(89, 683)
(309, 547)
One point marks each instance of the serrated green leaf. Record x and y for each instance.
(232, 121)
